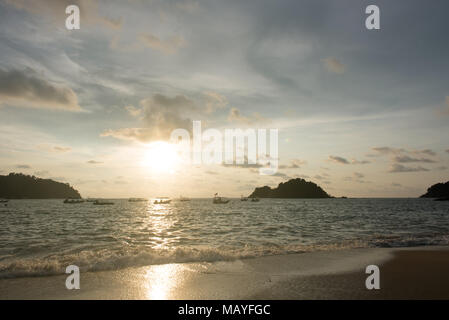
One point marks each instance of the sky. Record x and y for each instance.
(362, 113)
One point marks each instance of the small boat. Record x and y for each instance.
(137, 199)
(255, 199)
(162, 200)
(73, 201)
(219, 200)
(102, 202)
(181, 198)
(242, 198)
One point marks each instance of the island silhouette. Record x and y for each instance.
(21, 186)
(294, 188)
(438, 190)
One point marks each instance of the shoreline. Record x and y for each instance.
(405, 273)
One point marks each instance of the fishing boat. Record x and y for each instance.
(102, 202)
(242, 198)
(137, 199)
(162, 200)
(73, 201)
(219, 200)
(181, 198)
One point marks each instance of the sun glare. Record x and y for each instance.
(161, 157)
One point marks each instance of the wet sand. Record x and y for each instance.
(410, 273)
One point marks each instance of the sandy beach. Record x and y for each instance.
(405, 273)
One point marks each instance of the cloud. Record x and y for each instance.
(53, 149)
(214, 101)
(401, 155)
(168, 46)
(387, 150)
(135, 134)
(427, 152)
(94, 162)
(23, 166)
(408, 159)
(243, 165)
(135, 112)
(26, 88)
(42, 173)
(382, 151)
(280, 175)
(161, 115)
(236, 116)
(61, 149)
(111, 22)
(342, 160)
(294, 164)
(333, 65)
(359, 175)
(396, 167)
(338, 160)
(355, 161)
(211, 172)
(356, 177)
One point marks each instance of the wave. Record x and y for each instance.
(119, 258)
(91, 260)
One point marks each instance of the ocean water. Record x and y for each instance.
(42, 237)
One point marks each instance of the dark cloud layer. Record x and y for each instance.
(338, 159)
(396, 167)
(29, 89)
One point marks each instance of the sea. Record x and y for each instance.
(43, 237)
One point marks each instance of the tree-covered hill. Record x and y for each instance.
(439, 190)
(295, 188)
(21, 186)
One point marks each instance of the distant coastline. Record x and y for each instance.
(21, 186)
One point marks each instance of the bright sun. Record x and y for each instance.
(161, 157)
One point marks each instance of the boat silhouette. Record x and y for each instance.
(73, 201)
(219, 200)
(137, 199)
(102, 202)
(162, 200)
